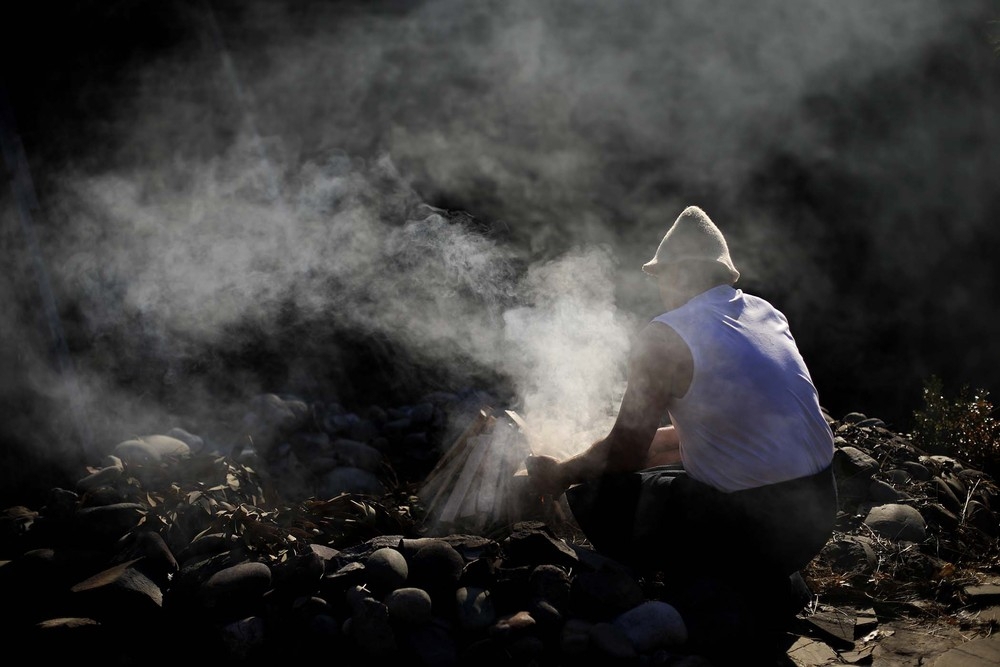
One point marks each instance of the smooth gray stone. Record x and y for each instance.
(195, 442)
(409, 605)
(107, 476)
(653, 624)
(941, 463)
(387, 570)
(899, 476)
(917, 470)
(236, 588)
(936, 513)
(851, 553)
(882, 492)
(437, 568)
(946, 494)
(982, 517)
(899, 523)
(853, 418)
(858, 460)
(956, 484)
(151, 450)
(853, 470)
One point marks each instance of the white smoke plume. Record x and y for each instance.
(476, 184)
(568, 350)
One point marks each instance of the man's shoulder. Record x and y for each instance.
(658, 339)
(657, 329)
(662, 353)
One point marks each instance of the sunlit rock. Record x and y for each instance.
(898, 523)
(151, 450)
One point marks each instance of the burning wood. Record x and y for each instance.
(475, 484)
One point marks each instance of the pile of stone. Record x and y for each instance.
(308, 540)
(320, 450)
(912, 526)
(153, 574)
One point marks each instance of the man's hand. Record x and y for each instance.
(546, 475)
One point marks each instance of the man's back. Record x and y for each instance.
(751, 414)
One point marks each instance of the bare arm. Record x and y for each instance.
(665, 448)
(659, 369)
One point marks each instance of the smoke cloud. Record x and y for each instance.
(184, 261)
(472, 187)
(567, 350)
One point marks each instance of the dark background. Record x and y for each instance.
(226, 197)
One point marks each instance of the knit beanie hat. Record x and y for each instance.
(692, 237)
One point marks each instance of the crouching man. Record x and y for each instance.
(736, 495)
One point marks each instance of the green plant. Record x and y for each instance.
(962, 426)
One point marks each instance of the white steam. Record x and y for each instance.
(308, 159)
(568, 349)
(193, 252)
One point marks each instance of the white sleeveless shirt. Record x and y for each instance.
(751, 416)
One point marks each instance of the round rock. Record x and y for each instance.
(409, 605)
(653, 624)
(387, 570)
(437, 568)
(899, 523)
(152, 449)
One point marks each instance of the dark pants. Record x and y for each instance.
(661, 519)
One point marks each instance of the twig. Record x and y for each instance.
(968, 497)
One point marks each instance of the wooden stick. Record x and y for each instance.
(523, 426)
(497, 463)
(470, 470)
(458, 463)
(435, 479)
